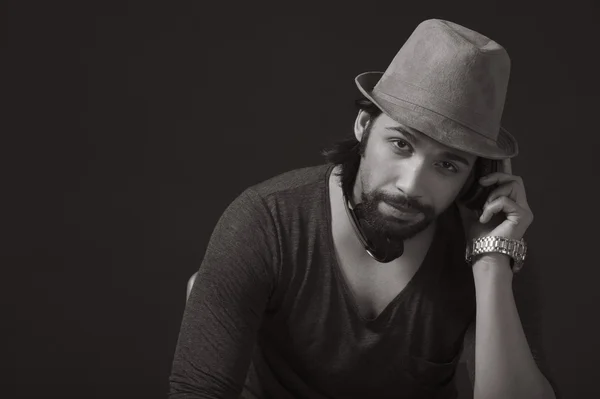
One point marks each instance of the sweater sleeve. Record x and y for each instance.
(225, 307)
(527, 299)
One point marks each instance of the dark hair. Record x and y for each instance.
(347, 152)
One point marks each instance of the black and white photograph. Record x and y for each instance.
(300, 200)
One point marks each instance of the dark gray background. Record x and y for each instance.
(129, 126)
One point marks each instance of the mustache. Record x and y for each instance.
(404, 202)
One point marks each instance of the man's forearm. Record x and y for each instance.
(504, 365)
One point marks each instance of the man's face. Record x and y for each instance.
(405, 179)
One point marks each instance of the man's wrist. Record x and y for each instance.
(495, 263)
(515, 250)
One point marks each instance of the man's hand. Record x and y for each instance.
(506, 212)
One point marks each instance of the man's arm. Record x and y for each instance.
(226, 304)
(497, 346)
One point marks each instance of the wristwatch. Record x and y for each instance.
(516, 249)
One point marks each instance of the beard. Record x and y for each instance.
(386, 229)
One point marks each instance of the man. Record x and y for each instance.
(349, 279)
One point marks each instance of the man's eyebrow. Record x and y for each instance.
(405, 132)
(455, 157)
(446, 154)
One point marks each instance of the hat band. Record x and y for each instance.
(423, 99)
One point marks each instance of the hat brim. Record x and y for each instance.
(437, 126)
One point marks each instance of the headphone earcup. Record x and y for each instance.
(474, 195)
(468, 190)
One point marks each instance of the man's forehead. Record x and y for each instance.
(389, 123)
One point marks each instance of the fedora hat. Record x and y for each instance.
(448, 82)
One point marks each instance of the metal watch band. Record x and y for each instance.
(516, 249)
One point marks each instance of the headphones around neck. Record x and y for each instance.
(380, 254)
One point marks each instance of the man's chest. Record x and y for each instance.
(374, 288)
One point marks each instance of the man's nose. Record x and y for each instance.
(411, 177)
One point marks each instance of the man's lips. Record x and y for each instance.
(402, 208)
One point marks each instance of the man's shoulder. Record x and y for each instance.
(300, 189)
(295, 181)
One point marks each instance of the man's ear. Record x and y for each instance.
(363, 119)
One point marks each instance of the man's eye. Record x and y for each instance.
(403, 145)
(449, 166)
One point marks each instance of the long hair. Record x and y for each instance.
(348, 152)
